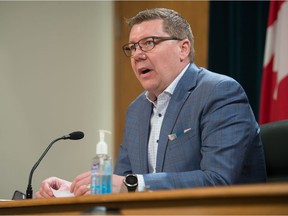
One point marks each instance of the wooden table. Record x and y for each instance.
(264, 199)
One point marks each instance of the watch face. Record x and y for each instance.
(131, 179)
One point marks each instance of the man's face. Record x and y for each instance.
(157, 68)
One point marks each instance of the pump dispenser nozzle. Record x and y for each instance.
(101, 147)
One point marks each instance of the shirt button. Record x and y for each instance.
(160, 115)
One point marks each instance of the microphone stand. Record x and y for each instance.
(29, 191)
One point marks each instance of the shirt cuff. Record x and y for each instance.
(141, 183)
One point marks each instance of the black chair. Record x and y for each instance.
(274, 137)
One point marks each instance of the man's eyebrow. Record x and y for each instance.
(141, 39)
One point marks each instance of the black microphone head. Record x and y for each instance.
(76, 135)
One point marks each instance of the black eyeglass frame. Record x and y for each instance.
(161, 39)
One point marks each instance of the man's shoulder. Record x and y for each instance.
(210, 78)
(202, 78)
(211, 75)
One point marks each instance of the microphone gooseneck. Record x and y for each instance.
(73, 136)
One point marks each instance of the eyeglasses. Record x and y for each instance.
(146, 44)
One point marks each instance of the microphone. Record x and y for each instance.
(77, 135)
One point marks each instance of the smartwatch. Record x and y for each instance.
(131, 182)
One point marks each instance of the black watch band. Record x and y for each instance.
(131, 182)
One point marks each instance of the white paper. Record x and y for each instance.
(62, 193)
(4, 200)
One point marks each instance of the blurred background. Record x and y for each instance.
(56, 69)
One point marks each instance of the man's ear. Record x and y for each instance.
(184, 49)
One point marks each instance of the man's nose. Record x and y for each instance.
(138, 53)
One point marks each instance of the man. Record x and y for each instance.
(190, 128)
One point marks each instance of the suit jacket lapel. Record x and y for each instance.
(180, 95)
(144, 130)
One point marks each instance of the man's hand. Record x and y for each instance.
(81, 184)
(52, 182)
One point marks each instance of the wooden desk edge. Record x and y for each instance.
(261, 192)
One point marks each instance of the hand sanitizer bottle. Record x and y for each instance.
(102, 168)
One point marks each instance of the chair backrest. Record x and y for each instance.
(274, 137)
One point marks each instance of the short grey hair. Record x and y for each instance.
(173, 22)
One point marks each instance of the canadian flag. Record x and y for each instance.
(274, 92)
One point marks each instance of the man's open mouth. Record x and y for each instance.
(145, 71)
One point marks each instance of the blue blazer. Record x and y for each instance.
(223, 146)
